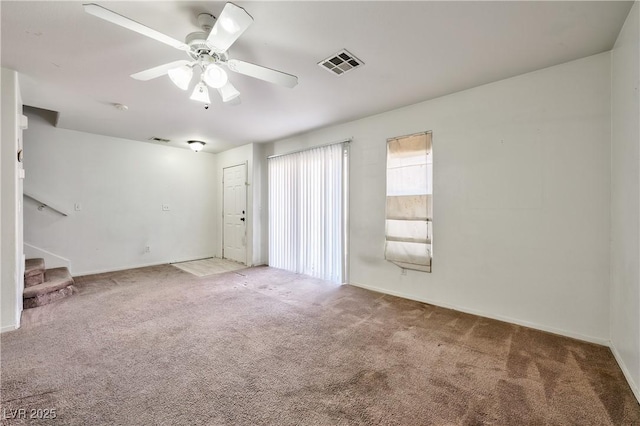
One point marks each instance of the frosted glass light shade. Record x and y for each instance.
(215, 76)
(228, 92)
(201, 93)
(181, 76)
(196, 145)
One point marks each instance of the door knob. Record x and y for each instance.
(242, 219)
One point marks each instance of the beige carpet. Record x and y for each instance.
(158, 346)
(211, 266)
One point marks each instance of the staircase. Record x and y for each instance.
(43, 286)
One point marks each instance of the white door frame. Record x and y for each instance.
(246, 203)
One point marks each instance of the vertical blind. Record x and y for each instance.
(409, 201)
(307, 212)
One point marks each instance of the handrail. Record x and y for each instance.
(44, 204)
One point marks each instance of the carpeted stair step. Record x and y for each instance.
(58, 284)
(33, 272)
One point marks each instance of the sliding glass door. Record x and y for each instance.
(307, 212)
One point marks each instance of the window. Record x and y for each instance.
(307, 212)
(409, 201)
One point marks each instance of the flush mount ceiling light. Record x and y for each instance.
(196, 145)
(207, 51)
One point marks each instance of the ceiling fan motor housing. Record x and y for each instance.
(206, 21)
(197, 43)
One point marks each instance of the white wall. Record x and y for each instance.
(12, 272)
(260, 209)
(625, 200)
(120, 186)
(521, 198)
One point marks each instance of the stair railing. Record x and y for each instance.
(45, 204)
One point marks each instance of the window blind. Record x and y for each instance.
(307, 212)
(409, 202)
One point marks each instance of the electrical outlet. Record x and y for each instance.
(147, 249)
(165, 207)
(403, 272)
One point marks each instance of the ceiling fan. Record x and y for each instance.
(207, 50)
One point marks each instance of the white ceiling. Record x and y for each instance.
(79, 65)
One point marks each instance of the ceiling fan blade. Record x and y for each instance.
(262, 73)
(114, 18)
(233, 21)
(158, 71)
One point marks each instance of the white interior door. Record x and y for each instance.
(234, 213)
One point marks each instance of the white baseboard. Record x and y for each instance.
(578, 336)
(9, 328)
(140, 265)
(625, 371)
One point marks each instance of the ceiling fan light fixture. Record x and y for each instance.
(201, 93)
(196, 146)
(228, 92)
(181, 76)
(207, 49)
(215, 76)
